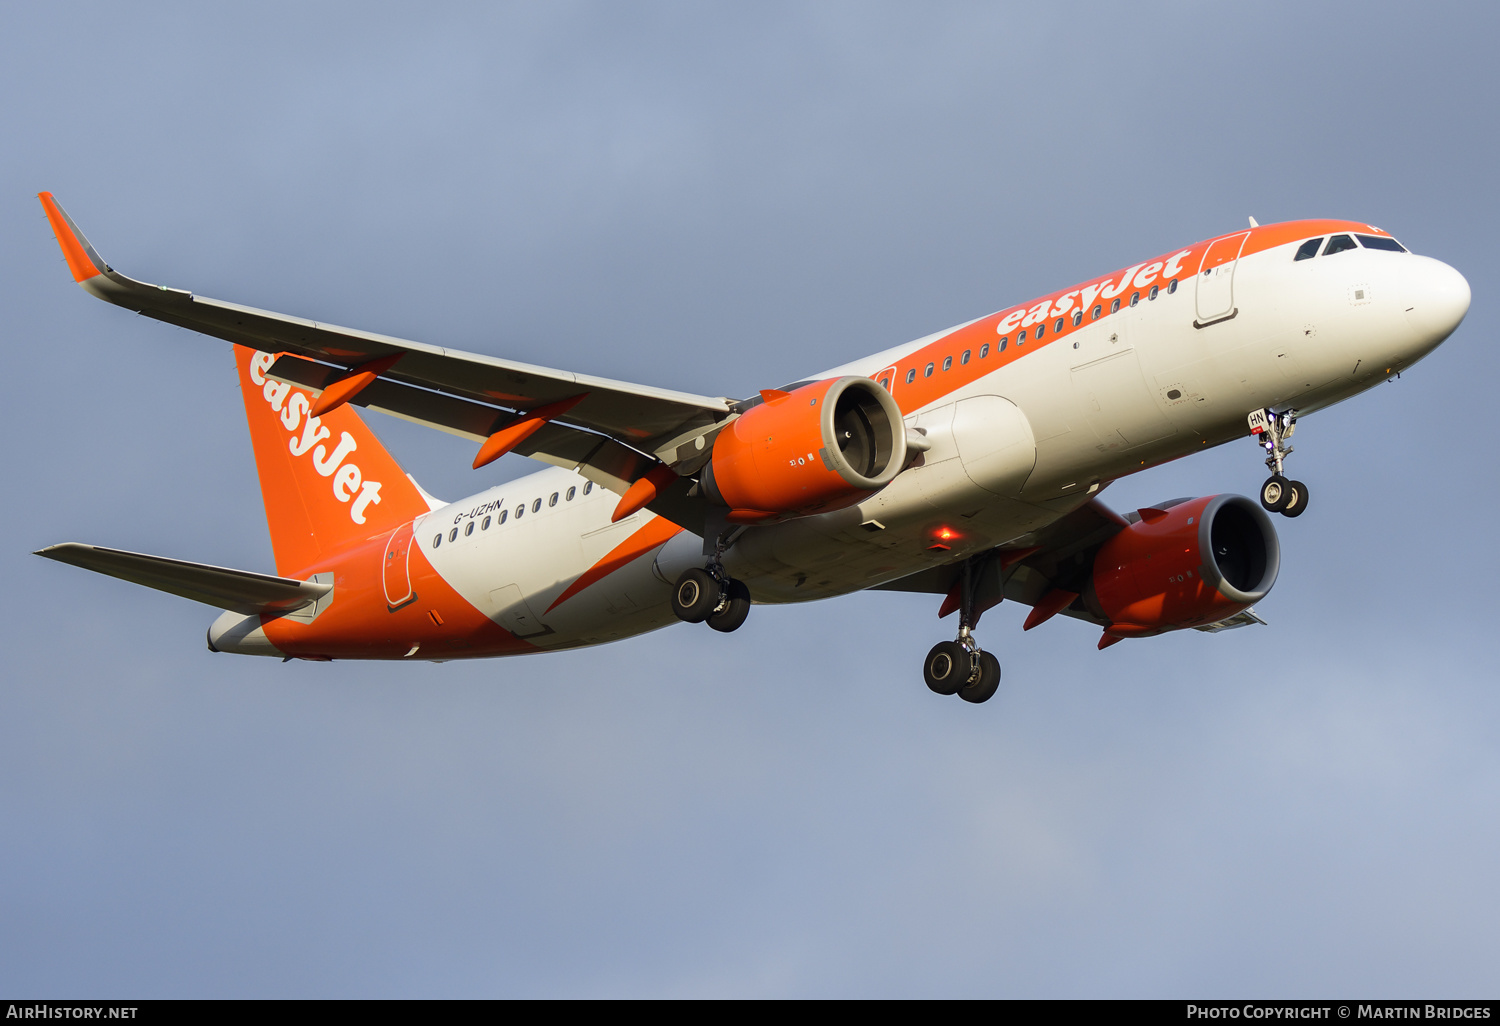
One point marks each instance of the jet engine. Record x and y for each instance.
(819, 447)
(1193, 564)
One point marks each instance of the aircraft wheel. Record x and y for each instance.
(695, 596)
(1275, 493)
(986, 683)
(1297, 504)
(947, 667)
(732, 616)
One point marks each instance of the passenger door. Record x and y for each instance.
(1216, 280)
(396, 569)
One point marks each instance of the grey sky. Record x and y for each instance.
(720, 200)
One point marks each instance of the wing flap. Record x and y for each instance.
(237, 590)
(600, 458)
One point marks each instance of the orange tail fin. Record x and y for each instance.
(326, 481)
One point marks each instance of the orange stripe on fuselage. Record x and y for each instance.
(359, 624)
(1184, 263)
(657, 532)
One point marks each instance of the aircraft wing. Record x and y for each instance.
(1028, 568)
(612, 434)
(239, 590)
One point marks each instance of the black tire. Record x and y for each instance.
(732, 616)
(1297, 505)
(695, 595)
(984, 686)
(1275, 493)
(946, 668)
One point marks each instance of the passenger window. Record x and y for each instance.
(1057, 326)
(885, 382)
(928, 372)
(1338, 244)
(1041, 329)
(504, 515)
(947, 363)
(1114, 307)
(1098, 309)
(484, 525)
(965, 358)
(1152, 293)
(468, 528)
(1171, 286)
(984, 350)
(911, 375)
(437, 540)
(1021, 337)
(453, 535)
(588, 487)
(571, 492)
(536, 506)
(1000, 346)
(1308, 249)
(520, 511)
(1135, 298)
(1077, 318)
(552, 501)
(1380, 242)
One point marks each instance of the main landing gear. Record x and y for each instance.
(961, 667)
(711, 595)
(1271, 430)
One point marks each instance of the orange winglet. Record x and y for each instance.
(1151, 514)
(74, 250)
(657, 532)
(773, 395)
(1107, 639)
(512, 435)
(356, 381)
(1052, 603)
(640, 494)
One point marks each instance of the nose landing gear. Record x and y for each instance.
(961, 667)
(1277, 494)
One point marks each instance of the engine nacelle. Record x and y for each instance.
(1193, 564)
(821, 447)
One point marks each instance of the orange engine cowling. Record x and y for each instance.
(1188, 566)
(823, 446)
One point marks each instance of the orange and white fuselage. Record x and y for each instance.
(962, 464)
(1026, 414)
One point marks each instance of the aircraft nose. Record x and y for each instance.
(1437, 300)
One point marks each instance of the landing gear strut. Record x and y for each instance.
(1271, 430)
(961, 667)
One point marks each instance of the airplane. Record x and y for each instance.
(966, 465)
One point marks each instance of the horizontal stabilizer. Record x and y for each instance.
(239, 590)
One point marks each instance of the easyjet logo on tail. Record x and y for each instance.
(348, 483)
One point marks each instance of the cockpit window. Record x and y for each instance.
(1380, 242)
(1308, 249)
(1338, 244)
